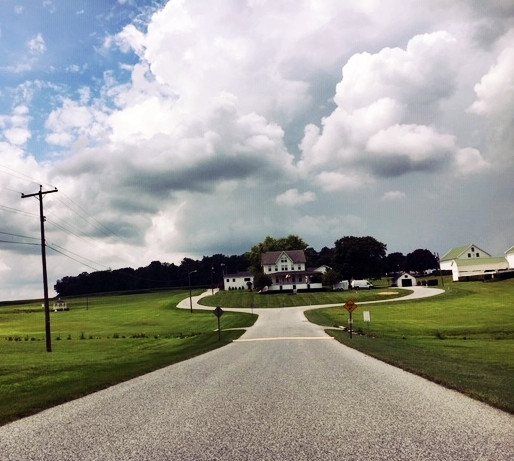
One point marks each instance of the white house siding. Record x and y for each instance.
(463, 253)
(509, 255)
(406, 280)
(463, 268)
(237, 281)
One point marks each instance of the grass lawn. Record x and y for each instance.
(463, 339)
(101, 341)
(248, 299)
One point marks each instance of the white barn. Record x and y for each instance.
(466, 252)
(509, 255)
(467, 269)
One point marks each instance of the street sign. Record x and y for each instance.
(367, 316)
(350, 306)
(218, 312)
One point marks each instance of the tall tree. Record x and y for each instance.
(359, 257)
(421, 260)
(395, 262)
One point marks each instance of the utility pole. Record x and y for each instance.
(40, 196)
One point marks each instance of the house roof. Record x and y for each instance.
(273, 257)
(483, 262)
(457, 252)
(239, 275)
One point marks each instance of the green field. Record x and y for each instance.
(247, 299)
(463, 339)
(99, 342)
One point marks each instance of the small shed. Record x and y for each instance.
(405, 280)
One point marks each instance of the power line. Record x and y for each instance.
(73, 259)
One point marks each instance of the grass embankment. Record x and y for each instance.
(101, 341)
(463, 339)
(248, 299)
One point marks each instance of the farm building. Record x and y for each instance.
(469, 269)
(509, 255)
(405, 280)
(238, 281)
(466, 252)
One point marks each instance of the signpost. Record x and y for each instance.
(350, 306)
(218, 312)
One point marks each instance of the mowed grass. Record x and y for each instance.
(101, 341)
(248, 299)
(463, 339)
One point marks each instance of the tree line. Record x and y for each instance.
(351, 257)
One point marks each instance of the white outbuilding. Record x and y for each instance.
(405, 280)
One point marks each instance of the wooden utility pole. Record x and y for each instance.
(40, 196)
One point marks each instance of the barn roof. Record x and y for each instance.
(457, 252)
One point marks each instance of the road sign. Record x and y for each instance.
(218, 312)
(350, 306)
(367, 316)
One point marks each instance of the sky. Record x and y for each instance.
(187, 128)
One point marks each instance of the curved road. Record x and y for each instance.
(284, 391)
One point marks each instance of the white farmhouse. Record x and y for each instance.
(287, 271)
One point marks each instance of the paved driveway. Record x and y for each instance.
(284, 391)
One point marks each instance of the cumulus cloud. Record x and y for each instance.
(494, 102)
(383, 123)
(14, 128)
(292, 197)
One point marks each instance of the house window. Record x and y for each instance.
(284, 267)
(276, 269)
(478, 255)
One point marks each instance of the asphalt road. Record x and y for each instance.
(284, 391)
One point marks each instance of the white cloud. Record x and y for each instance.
(470, 161)
(393, 196)
(37, 45)
(381, 100)
(495, 92)
(16, 130)
(292, 197)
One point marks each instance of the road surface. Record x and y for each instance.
(284, 391)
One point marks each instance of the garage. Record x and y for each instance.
(405, 280)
